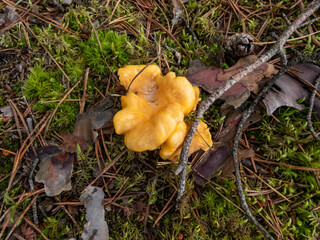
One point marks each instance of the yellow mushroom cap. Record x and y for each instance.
(201, 139)
(171, 149)
(144, 83)
(174, 141)
(153, 107)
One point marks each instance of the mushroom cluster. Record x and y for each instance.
(153, 112)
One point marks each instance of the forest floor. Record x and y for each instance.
(61, 58)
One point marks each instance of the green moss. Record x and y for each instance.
(56, 227)
(206, 214)
(114, 48)
(42, 84)
(77, 18)
(45, 85)
(284, 143)
(83, 170)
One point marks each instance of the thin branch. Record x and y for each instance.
(283, 57)
(310, 22)
(246, 115)
(203, 107)
(313, 94)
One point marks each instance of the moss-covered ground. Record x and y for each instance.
(141, 188)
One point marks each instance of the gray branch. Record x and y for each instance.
(204, 106)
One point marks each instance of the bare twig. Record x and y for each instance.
(203, 107)
(282, 54)
(245, 117)
(310, 22)
(181, 169)
(35, 227)
(30, 180)
(283, 57)
(313, 94)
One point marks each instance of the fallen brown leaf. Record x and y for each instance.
(220, 159)
(84, 132)
(8, 17)
(55, 168)
(55, 172)
(288, 89)
(212, 78)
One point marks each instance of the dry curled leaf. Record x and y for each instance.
(6, 112)
(288, 89)
(96, 227)
(84, 132)
(212, 78)
(55, 170)
(213, 164)
(220, 159)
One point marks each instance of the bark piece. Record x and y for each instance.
(96, 227)
(177, 11)
(6, 111)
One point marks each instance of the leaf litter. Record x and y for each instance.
(55, 171)
(288, 89)
(55, 168)
(96, 227)
(85, 139)
(220, 158)
(211, 78)
(177, 11)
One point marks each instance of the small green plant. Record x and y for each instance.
(46, 87)
(56, 227)
(42, 84)
(84, 169)
(114, 48)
